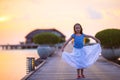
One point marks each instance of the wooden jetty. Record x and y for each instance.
(56, 69)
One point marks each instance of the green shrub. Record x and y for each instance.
(62, 40)
(86, 40)
(110, 38)
(46, 38)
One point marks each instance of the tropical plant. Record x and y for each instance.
(110, 38)
(86, 40)
(46, 38)
(110, 42)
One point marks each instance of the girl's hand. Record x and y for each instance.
(98, 41)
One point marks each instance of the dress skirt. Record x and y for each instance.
(83, 57)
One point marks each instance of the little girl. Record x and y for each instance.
(81, 56)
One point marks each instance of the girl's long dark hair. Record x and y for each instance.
(81, 32)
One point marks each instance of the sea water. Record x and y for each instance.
(13, 63)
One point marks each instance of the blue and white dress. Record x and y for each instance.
(82, 56)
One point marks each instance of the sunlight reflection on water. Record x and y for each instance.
(13, 63)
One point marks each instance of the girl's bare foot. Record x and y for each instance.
(82, 76)
(79, 77)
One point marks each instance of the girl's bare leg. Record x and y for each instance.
(82, 73)
(82, 70)
(78, 73)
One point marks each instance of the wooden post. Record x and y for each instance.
(30, 64)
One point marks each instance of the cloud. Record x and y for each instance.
(94, 14)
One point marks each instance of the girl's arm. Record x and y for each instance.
(62, 49)
(97, 40)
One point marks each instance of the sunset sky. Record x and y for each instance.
(19, 17)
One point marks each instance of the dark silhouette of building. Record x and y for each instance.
(29, 37)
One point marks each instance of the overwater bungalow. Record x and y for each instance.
(29, 36)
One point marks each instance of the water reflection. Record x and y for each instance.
(13, 63)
